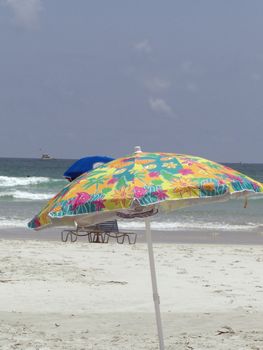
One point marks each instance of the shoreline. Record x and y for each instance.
(167, 237)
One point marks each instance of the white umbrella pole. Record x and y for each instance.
(156, 298)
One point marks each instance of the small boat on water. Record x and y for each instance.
(46, 156)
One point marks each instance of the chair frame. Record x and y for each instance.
(100, 233)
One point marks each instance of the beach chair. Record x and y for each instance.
(111, 230)
(99, 233)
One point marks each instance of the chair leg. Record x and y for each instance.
(134, 235)
(64, 238)
(90, 237)
(96, 238)
(122, 239)
(105, 237)
(73, 237)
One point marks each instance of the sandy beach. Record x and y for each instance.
(131, 117)
(77, 296)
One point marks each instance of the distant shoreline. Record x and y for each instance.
(74, 159)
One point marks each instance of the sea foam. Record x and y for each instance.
(25, 195)
(8, 181)
(181, 226)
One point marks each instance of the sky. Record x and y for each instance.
(84, 77)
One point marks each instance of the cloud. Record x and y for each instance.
(156, 84)
(26, 12)
(159, 105)
(143, 46)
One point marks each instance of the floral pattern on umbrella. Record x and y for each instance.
(148, 178)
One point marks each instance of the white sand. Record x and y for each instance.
(76, 296)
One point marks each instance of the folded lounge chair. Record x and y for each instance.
(100, 233)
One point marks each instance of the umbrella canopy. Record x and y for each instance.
(164, 180)
(139, 185)
(83, 165)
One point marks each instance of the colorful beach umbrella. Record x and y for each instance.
(85, 164)
(139, 185)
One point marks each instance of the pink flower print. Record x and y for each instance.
(81, 198)
(154, 174)
(234, 177)
(160, 194)
(112, 181)
(99, 204)
(221, 182)
(37, 222)
(185, 171)
(139, 192)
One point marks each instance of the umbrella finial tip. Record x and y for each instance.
(137, 149)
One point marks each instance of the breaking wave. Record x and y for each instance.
(181, 226)
(23, 195)
(12, 222)
(29, 188)
(6, 181)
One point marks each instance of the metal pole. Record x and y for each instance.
(156, 298)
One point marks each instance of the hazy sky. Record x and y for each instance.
(81, 77)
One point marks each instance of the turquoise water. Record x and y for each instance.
(26, 185)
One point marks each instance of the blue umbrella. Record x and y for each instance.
(85, 164)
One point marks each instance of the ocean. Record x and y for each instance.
(26, 185)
